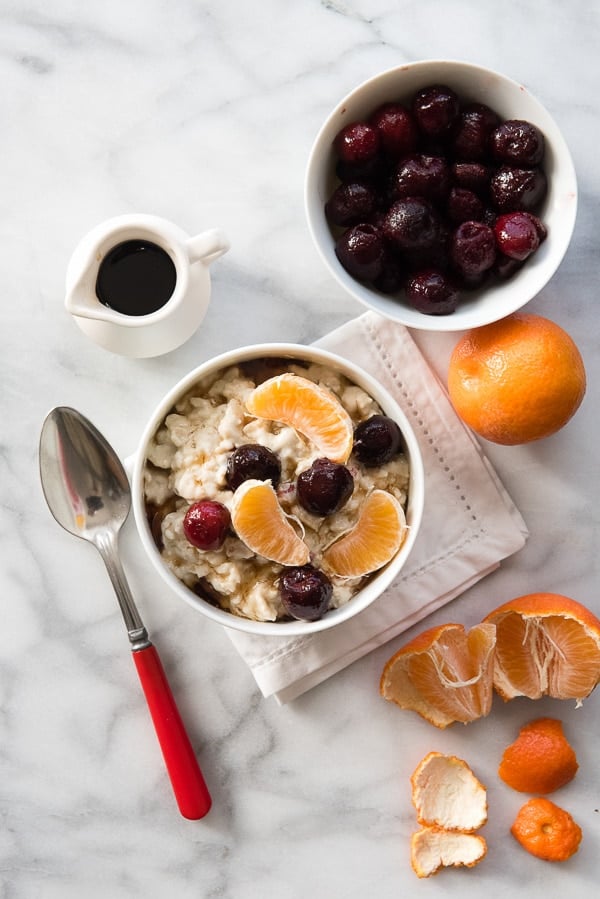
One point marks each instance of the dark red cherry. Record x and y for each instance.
(519, 143)
(471, 137)
(397, 129)
(436, 109)
(377, 440)
(357, 142)
(514, 189)
(473, 248)
(432, 292)
(411, 223)
(351, 204)
(464, 205)
(421, 176)
(473, 176)
(252, 461)
(361, 251)
(206, 523)
(324, 487)
(516, 235)
(305, 592)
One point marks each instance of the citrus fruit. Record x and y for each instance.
(310, 409)
(546, 644)
(546, 830)
(540, 760)
(260, 522)
(444, 674)
(516, 380)
(373, 541)
(433, 848)
(446, 793)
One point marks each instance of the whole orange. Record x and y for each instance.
(516, 380)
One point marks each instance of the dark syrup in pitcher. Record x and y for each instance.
(136, 277)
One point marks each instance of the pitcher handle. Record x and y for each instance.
(208, 246)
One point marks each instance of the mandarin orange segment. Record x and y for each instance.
(518, 379)
(446, 793)
(546, 830)
(434, 848)
(444, 674)
(546, 644)
(261, 524)
(310, 409)
(540, 760)
(373, 541)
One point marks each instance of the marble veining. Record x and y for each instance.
(204, 112)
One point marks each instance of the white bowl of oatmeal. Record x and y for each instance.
(253, 520)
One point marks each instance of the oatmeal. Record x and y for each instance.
(209, 445)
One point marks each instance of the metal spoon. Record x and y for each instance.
(88, 493)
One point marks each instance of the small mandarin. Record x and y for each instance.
(546, 830)
(516, 380)
(540, 760)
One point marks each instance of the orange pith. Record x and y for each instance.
(540, 760)
(373, 541)
(519, 379)
(546, 644)
(433, 848)
(451, 804)
(546, 830)
(443, 674)
(446, 793)
(310, 409)
(260, 522)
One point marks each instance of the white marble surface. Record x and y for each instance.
(204, 112)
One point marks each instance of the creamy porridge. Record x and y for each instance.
(187, 463)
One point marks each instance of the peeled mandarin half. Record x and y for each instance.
(444, 674)
(446, 793)
(434, 848)
(260, 522)
(373, 541)
(546, 645)
(310, 409)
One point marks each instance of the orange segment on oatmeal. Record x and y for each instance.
(307, 407)
(261, 523)
(373, 541)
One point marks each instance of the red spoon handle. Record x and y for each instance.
(188, 783)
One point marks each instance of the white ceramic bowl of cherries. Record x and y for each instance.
(441, 194)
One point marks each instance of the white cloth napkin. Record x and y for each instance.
(469, 524)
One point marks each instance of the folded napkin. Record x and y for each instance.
(469, 524)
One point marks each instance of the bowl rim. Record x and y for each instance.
(471, 313)
(414, 512)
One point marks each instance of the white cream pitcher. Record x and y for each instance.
(139, 286)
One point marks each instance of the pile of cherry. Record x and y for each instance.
(436, 197)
